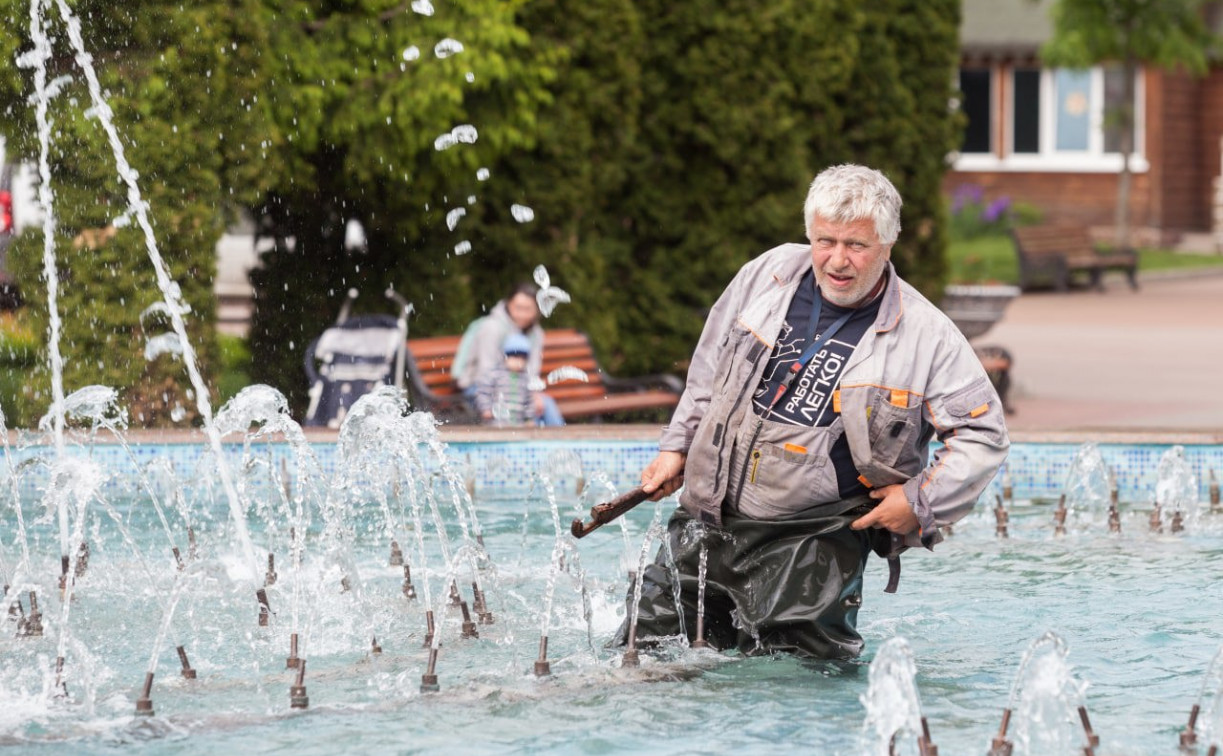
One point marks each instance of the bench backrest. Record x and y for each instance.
(434, 355)
(1037, 241)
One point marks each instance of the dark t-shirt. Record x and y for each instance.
(808, 402)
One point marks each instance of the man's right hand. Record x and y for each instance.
(664, 475)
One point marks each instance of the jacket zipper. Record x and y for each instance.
(755, 464)
(755, 456)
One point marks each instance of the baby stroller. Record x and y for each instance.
(353, 357)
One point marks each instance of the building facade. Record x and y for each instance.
(1044, 136)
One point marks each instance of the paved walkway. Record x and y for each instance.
(1118, 360)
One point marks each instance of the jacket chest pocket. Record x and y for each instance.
(785, 471)
(739, 352)
(894, 422)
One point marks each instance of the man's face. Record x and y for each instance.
(848, 259)
(522, 310)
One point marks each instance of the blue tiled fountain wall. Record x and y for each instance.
(1037, 470)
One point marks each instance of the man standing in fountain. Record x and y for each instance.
(803, 435)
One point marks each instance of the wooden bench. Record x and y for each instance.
(1055, 253)
(431, 388)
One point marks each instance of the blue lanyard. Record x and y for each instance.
(814, 347)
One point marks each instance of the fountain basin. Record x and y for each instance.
(1138, 609)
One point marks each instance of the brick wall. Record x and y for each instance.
(1183, 122)
(1210, 116)
(1182, 200)
(1079, 198)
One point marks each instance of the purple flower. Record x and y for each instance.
(966, 194)
(996, 209)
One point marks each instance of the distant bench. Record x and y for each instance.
(429, 360)
(1055, 253)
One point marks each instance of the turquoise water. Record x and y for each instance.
(1140, 612)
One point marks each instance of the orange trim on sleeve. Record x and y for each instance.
(933, 422)
(862, 479)
(948, 451)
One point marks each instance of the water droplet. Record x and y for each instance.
(423, 7)
(462, 247)
(482, 174)
(452, 217)
(411, 53)
(567, 373)
(465, 134)
(522, 213)
(470, 77)
(447, 47)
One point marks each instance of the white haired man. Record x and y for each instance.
(804, 435)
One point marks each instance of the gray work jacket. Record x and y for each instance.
(913, 376)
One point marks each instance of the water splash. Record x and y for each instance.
(548, 296)
(567, 373)
(136, 206)
(1045, 697)
(893, 707)
(1087, 482)
(1176, 486)
(462, 134)
(522, 213)
(447, 47)
(452, 217)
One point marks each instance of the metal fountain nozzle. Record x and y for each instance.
(188, 672)
(429, 628)
(1002, 517)
(428, 681)
(1189, 735)
(1156, 521)
(1000, 746)
(293, 660)
(144, 704)
(543, 667)
(1093, 740)
(297, 692)
(265, 610)
(469, 627)
(409, 590)
(480, 605)
(926, 747)
(1178, 521)
(1059, 517)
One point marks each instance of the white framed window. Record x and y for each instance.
(1058, 120)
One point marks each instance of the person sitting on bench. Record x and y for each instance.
(481, 349)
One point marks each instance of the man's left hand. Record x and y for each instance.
(892, 513)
